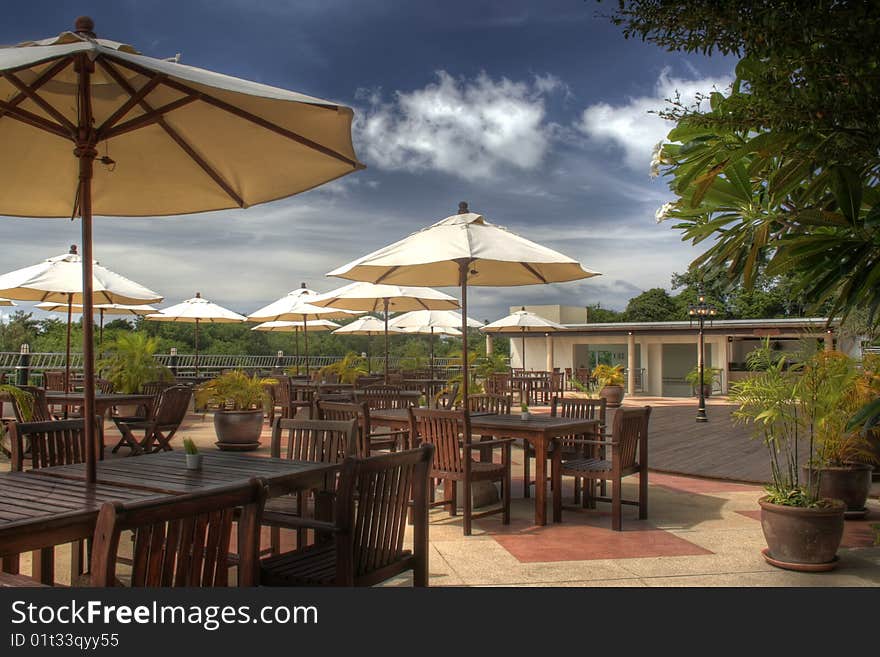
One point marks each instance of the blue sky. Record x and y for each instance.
(536, 113)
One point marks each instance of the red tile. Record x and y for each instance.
(695, 485)
(587, 535)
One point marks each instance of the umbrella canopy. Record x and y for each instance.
(7, 302)
(294, 327)
(102, 308)
(368, 326)
(432, 322)
(60, 280)
(464, 250)
(388, 298)
(522, 321)
(197, 311)
(175, 139)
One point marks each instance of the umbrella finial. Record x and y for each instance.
(463, 207)
(72, 249)
(198, 295)
(84, 25)
(302, 285)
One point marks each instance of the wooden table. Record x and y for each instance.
(52, 506)
(539, 430)
(103, 401)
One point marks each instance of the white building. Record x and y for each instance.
(660, 354)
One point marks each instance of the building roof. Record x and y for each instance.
(754, 327)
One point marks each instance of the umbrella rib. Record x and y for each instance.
(127, 106)
(147, 119)
(33, 120)
(47, 75)
(533, 272)
(180, 141)
(386, 274)
(253, 118)
(40, 101)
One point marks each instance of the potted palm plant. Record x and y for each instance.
(239, 400)
(610, 381)
(710, 376)
(802, 528)
(346, 370)
(129, 361)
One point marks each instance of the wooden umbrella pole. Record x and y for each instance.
(86, 152)
(524, 349)
(101, 329)
(296, 346)
(197, 349)
(306, 343)
(67, 352)
(432, 353)
(462, 276)
(385, 307)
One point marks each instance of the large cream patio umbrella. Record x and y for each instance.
(7, 302)
(368, 326)
(197, 311)
(294, 327)
(389, 298)
(103, 309)
(296, 306)
(170, 138)
(522, 321)
(432, 322)
(59, 280)
(464, 250)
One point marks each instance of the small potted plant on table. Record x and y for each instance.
(524, 411)
(240, 400)
(193, 458)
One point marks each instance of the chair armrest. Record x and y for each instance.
(579, 441)
(396, 432)
(495, 442)
(309, 523)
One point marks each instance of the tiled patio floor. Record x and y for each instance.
(700, 532)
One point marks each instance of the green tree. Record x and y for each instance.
(654, 305)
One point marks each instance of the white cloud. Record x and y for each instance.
(467, 128)
(633, 127)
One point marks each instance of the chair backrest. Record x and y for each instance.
(59, 442)
(445, 399)
(154, 387)
(499, 383)
(302, 392)
(182, 540)
(581, 409)
(556, 382)
(104, 386)
(445, 430)
(322, 441)
(373, 498)
(630, 435)
(54, 380)
(382, 396)
(488, 403)
(171, 406)
(346, 412)
(39, 410)
(582, 374)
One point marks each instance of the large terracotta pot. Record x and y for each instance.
(238, 430)
(850, 483)
(613, 395)
(800, 538)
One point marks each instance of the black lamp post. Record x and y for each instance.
(700, 312)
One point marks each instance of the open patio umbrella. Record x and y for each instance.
(7, 302)
(170, 138)
(294, 327)
(103, 309)
(197, 311)
(59, 280)
(464, 250)
(432, 322)
(368, 326)
(389, 298)
(522, 321)
(296, 306)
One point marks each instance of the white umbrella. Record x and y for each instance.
(523, 321)
(368, 326)
(389, 298)
(296, 306)
(197, 311)
(432, 322)
(170, 139)
(464, 250)
(7, 302)
(103, 309)
(294, 327)
(60, 280)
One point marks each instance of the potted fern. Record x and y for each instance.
(610, 381)
(803, 529)
(710, 376)
(239, 400)
(346, 370)
(129, 362)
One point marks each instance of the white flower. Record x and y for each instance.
(663, 212)
(656, 159)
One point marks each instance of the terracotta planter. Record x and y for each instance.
(802, 539)
(850, 484)
(238, 430)
(613, 395)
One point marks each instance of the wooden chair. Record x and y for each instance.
(580, 409)
(55, 380)
(368, 439)
(167, 414)
(367, 547)
(183, 540)
(629, 456)
(450, 433)
(302, 396)
(39, 411)
(105, 387)
(380, 396)
(36, 445)
(445, 399)
(489, 403)
(322, 441)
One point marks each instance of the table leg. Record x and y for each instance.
(43, 567)
(540, 481)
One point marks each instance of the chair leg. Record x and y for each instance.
(468, 504)
(616, 506)
(505, 486)
(577, 490)
(643, 494)
(275, 540)
(449, 495)
(556, 478)
(527, 475)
